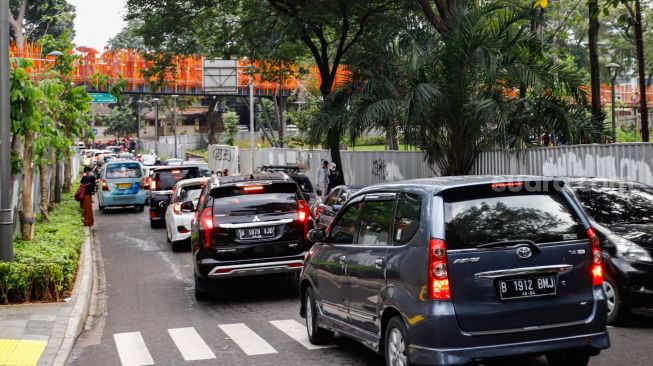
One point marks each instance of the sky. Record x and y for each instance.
(97, 21)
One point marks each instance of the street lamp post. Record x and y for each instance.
(6, 219)
(251, 125)
(155, 101)
(612, 69)
(174, 121)
(138, 127)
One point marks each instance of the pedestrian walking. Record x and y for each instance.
(334, 178)
(225, 172)
(321, 178)
(88, 187)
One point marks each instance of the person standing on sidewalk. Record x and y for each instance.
(322, 178)
(88, 179)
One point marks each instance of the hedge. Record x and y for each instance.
(45, 268)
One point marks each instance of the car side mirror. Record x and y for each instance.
(187, 206)
(337, 208)
(316, 235)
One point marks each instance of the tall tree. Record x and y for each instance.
(32, 19)
(595, 68)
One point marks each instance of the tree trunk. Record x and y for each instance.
(333, 139)
(211, 120)
(593, 36)
(641, 70)
(27, 217)
(43, 184)
(68, 169)
(393, 134)
(53, 167)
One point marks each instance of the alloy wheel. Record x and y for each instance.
(611, 296)
(396, 348)
(309, 314)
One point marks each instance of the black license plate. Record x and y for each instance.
(527, 287)
(256, 233)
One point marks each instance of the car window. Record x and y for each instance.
(166, 179)
(486, 218)
(331, 198)
(617, 204)
(376, 223)
(269, 199)
(126, 170)
(342, 197)
(407, 218)
(343, 230)
(190, 193)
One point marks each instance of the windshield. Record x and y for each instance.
(191, 193)
(126, 170)
(166, 179)
(617, 205)
(270, 199)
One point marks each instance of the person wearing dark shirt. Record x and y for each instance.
(88, 179)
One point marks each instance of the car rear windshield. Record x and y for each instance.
(124, 170)
(166, 179)
(255, 199)
(304, 183)
(475, 218)
(620, 204)
(190, 193)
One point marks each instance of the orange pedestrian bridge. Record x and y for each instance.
(185, 75)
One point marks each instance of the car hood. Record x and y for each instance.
(641, 234)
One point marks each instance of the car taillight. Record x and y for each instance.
(438, 286)
(153, 185)
(105, 186)
(595, 247)
(176, 208)
(303, 214)
(207, 225)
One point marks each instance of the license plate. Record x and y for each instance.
(527, 287)
(124, 185)
(256, 233)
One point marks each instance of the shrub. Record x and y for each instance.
(45, 267)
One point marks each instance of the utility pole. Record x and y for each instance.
(156, 126)
(251, 124)
(6, 219)
(174, 120)
(138, 127)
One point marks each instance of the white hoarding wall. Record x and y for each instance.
(223, 157)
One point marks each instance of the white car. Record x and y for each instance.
(148, 159)
(181, 210)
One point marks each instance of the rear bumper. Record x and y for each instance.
(433, 356)
(211, 269)
(126, 200)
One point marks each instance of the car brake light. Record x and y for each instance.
(507, 185)
(176, 208)
(252, 188)
(438, 286)
(595, 247)
(105, 186)
(207, 225)
(153, 185)
(303, 213)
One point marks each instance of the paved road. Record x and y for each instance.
(146, 313)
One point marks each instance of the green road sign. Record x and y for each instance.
(102, 98)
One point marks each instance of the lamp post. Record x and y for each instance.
(138, 127)
(251, 124)
(6, 219)
(612, 69)
(174, 120)
(155, 101)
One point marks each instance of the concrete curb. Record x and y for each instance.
(82, 293)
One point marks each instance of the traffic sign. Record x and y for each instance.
(99, 98)
(95, 131)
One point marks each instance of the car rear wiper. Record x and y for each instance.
(505, 243)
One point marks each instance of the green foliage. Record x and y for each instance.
(45, 267)
(231, 120)
(121, 122)
(54, 17)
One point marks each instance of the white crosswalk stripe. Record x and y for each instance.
(296, 331)
(250, 342)
(132, 349)
(190, 344)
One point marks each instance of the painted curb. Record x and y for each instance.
(82, 292)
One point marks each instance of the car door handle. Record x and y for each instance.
(378, 263)
(342, 260)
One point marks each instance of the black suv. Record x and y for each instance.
(162, 180)
(248, 225)
(452, 270)
(295, 173)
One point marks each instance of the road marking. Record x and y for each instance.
(296, 331)
(14, 352)
(190, 344)
(132, 349)
(247, 339)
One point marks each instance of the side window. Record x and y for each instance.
(331, 199)
(409, 210)
(343, 231)
(376, 223)
(342, 197)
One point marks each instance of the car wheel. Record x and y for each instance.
(202, 288)
(152, 224)
(141, 208)
(316, 335)
(618, 309)
(396, 343)
(569, 357)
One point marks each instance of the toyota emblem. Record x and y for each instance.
(524, 252)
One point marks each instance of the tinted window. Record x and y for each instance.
(409, 210)
(166, 179)
(376, 223)
(126, 170)
(538, 217)
(344, 230)
(190, 193)
(342, 197)
(304, 183)
(617, 205)
(270, 199)
(331, 198)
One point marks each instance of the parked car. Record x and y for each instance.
(161, 183)
(623, 212)
(327, 210)
(452, 270)
(122, 185)
(87, 156)
(181, 210)
(295, 173)
(248, 225)
(243, 128)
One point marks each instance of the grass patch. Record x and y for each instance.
(45, 268)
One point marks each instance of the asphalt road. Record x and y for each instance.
(145, 312)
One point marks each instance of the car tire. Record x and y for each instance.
(569, 357)
(202, 289)
(618, 307)
(396, 343)
(316, 335)
(140, 208)
(153, 224)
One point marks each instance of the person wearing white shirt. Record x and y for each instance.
(321, 178)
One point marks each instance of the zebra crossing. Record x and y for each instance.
(133, 351)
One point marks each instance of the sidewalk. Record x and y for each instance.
(43, 334)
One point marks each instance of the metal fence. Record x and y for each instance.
(166, 145)
(627, 161)
(360, 167)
